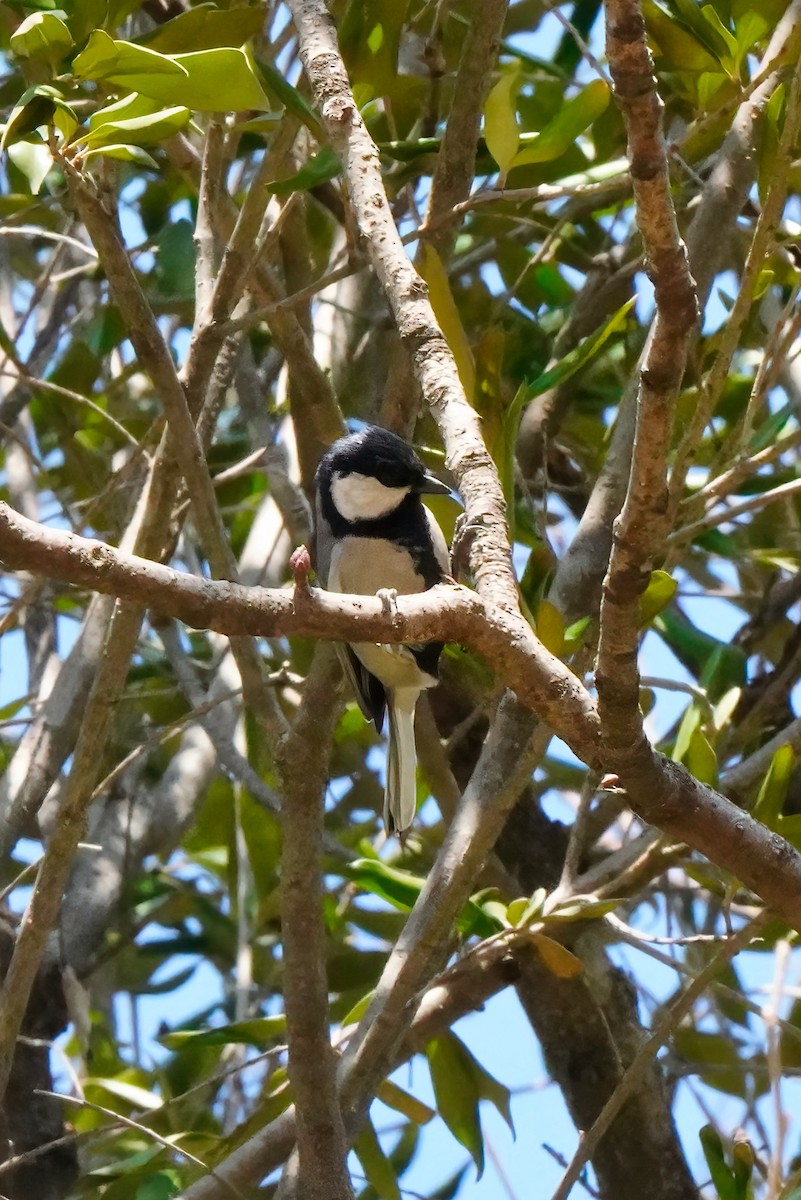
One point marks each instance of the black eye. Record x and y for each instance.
(391, 474)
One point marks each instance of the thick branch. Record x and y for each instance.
(443, 614)
(434, 365)
(661, 792)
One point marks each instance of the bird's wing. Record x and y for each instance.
(370, 692)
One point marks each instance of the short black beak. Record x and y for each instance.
(431, 486)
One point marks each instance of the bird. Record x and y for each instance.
(375, 537)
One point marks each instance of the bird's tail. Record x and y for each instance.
(400, 793)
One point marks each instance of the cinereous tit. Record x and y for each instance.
(375, 535)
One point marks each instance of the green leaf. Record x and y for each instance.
(773, 791)
(701, 759)
(501, 130)
(575, 359)
(394, 1097)
(725, 708)
(523, 911)
(319, 169)
(135, 119)
(103, 57)
(457, 1093)
(768, 142)
(674, 41)
(376, 1166)
(162, 1186)
(689, 723)
(220, 80)
(661, 589)
(743, 1161)
(722, 1177)
(399, 888)
(259, 1032)
(550, 626)
(34, 160)
(583, 908)
(440, 294)
(290, 97)
(769, 430)
(124, 153)
(573, 118)
(726, 36)
(41, 35)
(205, 27)
(174, 271)
(134, 1095)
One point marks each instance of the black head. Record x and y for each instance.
(367, 475)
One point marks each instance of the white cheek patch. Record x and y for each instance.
(363, 498)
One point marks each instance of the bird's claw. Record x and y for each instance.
(389, 602)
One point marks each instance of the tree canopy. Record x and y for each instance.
(556, 247)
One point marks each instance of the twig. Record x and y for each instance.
(760, 246)
(753, 504)
(642, 1059)
(42, 911)
(456, 161)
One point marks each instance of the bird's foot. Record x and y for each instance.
(389, 602)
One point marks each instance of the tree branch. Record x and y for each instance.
(641, 527)
(661, 792)
(303, 763)
(434, 365)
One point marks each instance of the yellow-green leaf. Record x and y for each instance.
(456, 1092)
(41, 35)
(559, 134)
(675, 42)
(501, 130)
(658, 594)
(689, 723)
(123, 153)
(550, 627)
(773, 792)
(556, 957)
(219, 80)
(395, 1097)
(142, 129)
(442, 301)
(701, 758)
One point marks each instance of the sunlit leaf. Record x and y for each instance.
(556, 957)
(773, 791)
(34, 160)
(442, 301)
(395, 1097)
(41, 35)
(661, 589)
(574, 117)
(501, 129)
(550, 627)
